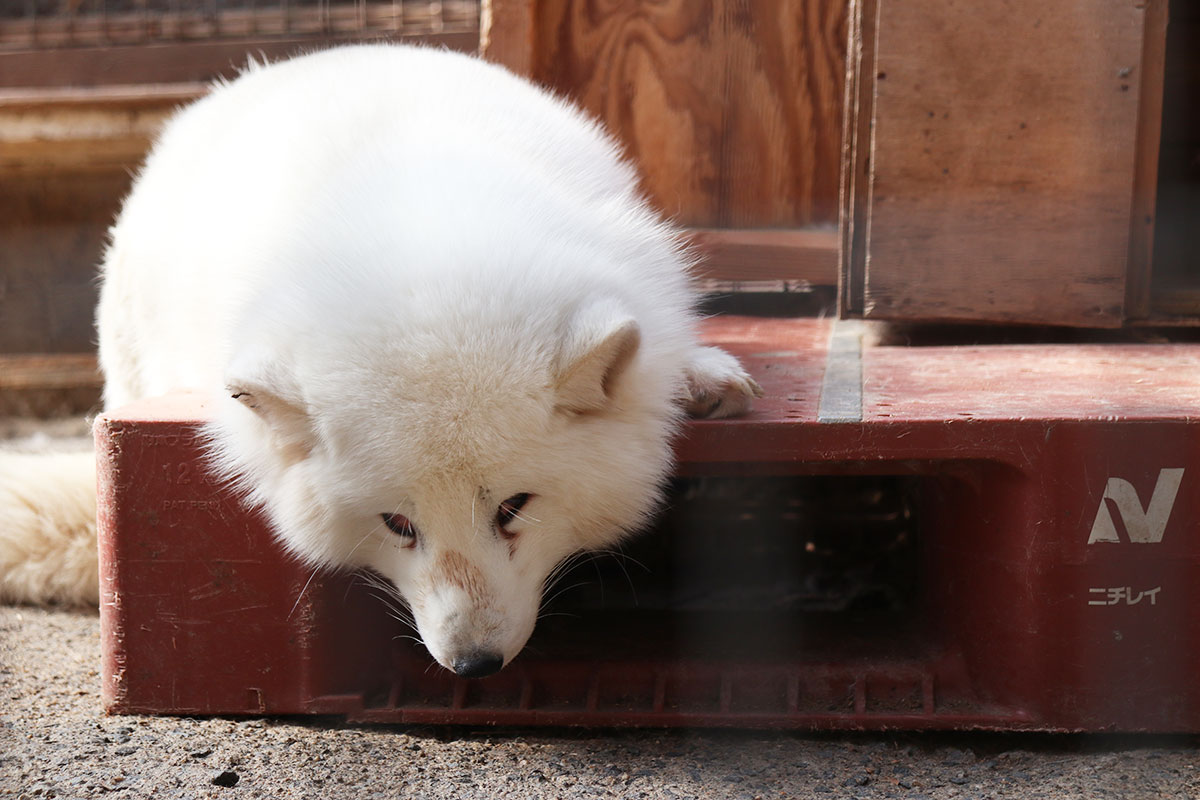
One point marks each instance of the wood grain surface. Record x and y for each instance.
(772, 254)
(44, 385)
(1004, 160)
(62, 371)
(1146, 169)
(855, 174)
(48, 131)
(731, 109)
(506, 32)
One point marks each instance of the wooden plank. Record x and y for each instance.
(42, 385)
(803, 256)
(732, 110)
(122, 98)
(105, 128)
(178, 62)
(506, 34)
(855, 177)
(326, 20)
(1005, 150)
(43, 371)
(1145, 187)
(84, 129)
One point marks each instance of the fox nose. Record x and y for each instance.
(477, 665)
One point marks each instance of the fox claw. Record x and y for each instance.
(718, 386)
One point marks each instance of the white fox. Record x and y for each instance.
(451, 342)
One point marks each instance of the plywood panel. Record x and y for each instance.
(745, 254)
(1143, 214)
(506, 32)
(1004, 159)
(731, 109)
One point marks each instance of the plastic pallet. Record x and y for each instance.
(1056, 577)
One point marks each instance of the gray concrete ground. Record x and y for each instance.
(56, 742)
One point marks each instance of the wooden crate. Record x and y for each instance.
(1001, 160)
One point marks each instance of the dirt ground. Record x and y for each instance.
(56, 742)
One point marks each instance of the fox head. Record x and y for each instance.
(461, 468)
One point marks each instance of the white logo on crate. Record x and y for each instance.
(1145, 525)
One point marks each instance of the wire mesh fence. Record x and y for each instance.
(52, 24)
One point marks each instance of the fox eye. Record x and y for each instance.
(508, 511)
(399, 525)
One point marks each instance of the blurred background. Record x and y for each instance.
(1017, 164)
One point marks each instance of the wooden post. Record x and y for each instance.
(506, 34)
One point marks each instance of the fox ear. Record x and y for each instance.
(276, 404)
(599, 348)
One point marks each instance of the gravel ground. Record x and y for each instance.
(56, 742)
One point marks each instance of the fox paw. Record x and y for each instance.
(717, 385)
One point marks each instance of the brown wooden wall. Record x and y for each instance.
(74, 125)
(52, 231)
(732, 109)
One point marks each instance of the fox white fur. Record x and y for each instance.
(419, 286)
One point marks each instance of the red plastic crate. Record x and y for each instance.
(1055, 575)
